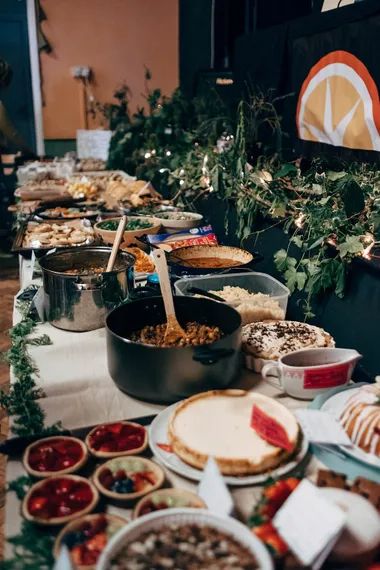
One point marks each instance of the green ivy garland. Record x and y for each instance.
(20, 400)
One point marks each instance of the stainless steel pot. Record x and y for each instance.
(82, 302)
(168, 374)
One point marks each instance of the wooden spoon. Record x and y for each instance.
(174, 331)
(116, 243)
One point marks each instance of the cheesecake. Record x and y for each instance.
(219, 424)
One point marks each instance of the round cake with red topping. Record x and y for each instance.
(59, 499)
(230, 426)
(56, 455)
(116, 439)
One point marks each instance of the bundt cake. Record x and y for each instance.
(361, 418)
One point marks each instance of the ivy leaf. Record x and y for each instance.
(317, 189)
(340, 280)
(280, 259)
(285, 170)
(279, 211)
(295, 279)
(316, 243)
(283, 261)
(352, 246)
(333, 176)
(297, 241)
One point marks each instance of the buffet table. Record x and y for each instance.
(79, 391)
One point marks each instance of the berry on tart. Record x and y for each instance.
(87, 537)
(116, 439)
(59, 499)
(56, 455)
(128, 477)
(167, 499)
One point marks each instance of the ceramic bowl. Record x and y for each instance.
(108, 236)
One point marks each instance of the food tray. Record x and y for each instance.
(18, 242)
(15, 447)
(252, 281)
(101, 174)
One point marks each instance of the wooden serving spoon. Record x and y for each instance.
(174, 331)
(116, 243)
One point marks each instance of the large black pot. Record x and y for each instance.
(168, 374)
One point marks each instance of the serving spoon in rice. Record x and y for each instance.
(174, 331)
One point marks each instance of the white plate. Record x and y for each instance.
(158, 433)
(362, 530)
(334, 406)
(158, 519)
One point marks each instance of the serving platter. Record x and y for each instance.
(158, 431)
(18, 245)
(334, 406)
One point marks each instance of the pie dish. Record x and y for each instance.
(229, 438)
(167, 499)
(269, 340)
(59, 499)
(86, 538)
(55, 455)
(116, 439)
(128, 477)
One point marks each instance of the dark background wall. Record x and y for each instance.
(14, 48)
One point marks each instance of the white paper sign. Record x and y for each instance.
(213, 490)
(322, 427)
(63, 561)
(39, 303)
(309, 524)
(93, 144)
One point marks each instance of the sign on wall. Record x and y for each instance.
(93, 143)
(336, 74)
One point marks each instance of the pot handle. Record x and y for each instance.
(209, 356)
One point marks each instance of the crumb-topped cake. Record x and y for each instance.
(272, 339)
(361, 418)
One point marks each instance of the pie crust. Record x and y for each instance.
(43, 474)
(217, 423)
(64, 519)
(148, 465)
(110, 454)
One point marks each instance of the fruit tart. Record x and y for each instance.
(87, 537)
(56, 455)
(59, 499)
(116, 439)
(273, 497)
(128, 477)
(167, 499)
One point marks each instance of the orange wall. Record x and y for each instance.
(116, 38)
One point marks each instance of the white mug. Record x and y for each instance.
(308, 372)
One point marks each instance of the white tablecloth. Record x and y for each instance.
(79, 392)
